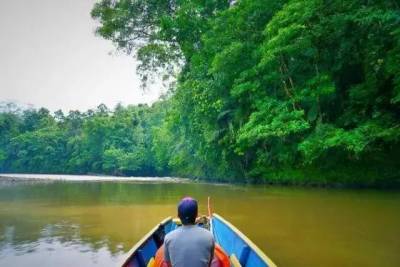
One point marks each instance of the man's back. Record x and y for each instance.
(189, 245)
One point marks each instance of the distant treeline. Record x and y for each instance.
(101, 141)
(286, 91)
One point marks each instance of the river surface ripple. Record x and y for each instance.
(94, 222)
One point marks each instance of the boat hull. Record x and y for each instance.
(237, 245)
(240, 249)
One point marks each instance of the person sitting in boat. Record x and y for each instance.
(189, 245)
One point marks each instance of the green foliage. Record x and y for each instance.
(102, 141)
(284, 91)
(289, 85)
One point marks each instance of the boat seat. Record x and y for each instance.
(151, 262)
(234, 261)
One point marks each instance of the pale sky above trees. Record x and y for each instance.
(50, 57)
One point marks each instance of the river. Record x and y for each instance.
(94, 223)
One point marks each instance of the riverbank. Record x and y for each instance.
(19, 177)
(357, 179)
(287, 179)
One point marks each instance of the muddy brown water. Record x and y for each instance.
(95, 223)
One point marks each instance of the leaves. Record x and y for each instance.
(258, 88)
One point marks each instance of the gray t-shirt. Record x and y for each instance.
(189, 245)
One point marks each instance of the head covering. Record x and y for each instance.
(187, 210)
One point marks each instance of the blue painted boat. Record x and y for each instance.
(240, 250)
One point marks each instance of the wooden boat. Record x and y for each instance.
(236, 247)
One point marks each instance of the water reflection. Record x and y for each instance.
(95, 224)
(91, 221)
(52, 252)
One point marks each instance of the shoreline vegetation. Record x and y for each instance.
(285, 92)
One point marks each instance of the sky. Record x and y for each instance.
(50, 57)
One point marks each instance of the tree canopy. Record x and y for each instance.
(100, 141)
(285, 91)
